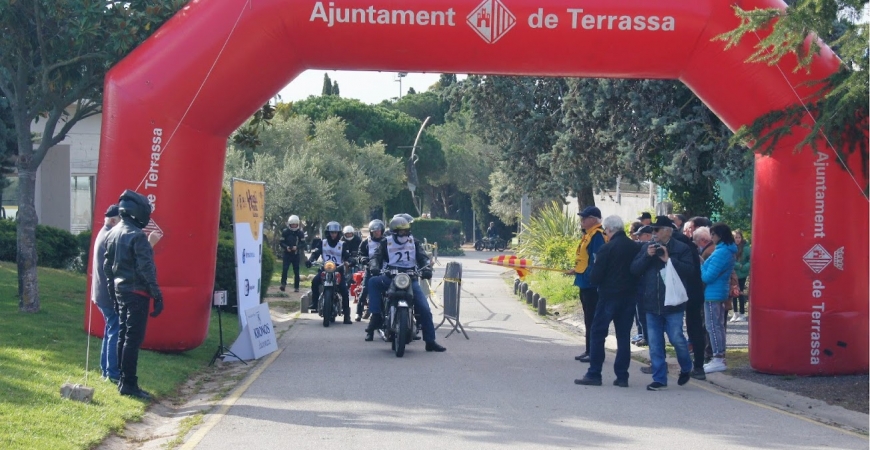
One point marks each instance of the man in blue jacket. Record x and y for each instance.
(661, 319)
(593, 239)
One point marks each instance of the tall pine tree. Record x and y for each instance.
(327, 85)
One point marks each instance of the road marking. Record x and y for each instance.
(228, 402)
(722, 392)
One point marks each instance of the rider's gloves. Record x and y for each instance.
(308, 263)
(426, 273)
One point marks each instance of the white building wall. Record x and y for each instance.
(84, 150)
(628, 206)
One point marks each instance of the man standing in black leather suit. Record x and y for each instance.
(130, 270)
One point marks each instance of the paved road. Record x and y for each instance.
(510, 385)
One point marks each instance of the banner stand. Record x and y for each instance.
(257, 338)
(220, 299)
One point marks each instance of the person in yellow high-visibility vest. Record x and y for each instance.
(593, 239)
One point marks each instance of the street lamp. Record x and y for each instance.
(399, 77)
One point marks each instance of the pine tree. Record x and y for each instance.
(327, 85)
(411, 91)
(335, 90)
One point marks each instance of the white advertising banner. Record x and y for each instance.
(258, 338)
(248, 211)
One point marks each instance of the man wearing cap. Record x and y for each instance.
(643, 234)
(645, 218)
(648, 264)
(593, 239)
(101, 297)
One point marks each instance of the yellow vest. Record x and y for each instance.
(582, 261)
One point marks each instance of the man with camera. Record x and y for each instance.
(648, 265)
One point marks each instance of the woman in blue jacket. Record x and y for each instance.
(716, 274)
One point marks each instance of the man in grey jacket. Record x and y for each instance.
(129, 268)
(101, 297)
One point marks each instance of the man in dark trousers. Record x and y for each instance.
(129, 268)
(593, 239)
(101, 297)
(617, 293)
(694, 307)
(292, 238)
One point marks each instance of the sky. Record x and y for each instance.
(369, 87)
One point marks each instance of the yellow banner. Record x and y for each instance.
(249, 204)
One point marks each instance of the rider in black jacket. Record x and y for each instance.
(367, 250)
(401, 251)
(332, 249)
(292, 241)
(130, 270)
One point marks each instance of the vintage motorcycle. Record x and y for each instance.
(329, 303)
(399, 323)
(498, 244)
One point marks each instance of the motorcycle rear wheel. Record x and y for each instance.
(402, 337)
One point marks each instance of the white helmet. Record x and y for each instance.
(293, 220)
(348, 229)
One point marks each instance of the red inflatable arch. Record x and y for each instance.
(172, 103)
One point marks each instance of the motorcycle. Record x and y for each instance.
(399, 323)
(497, 244)
(329, 303)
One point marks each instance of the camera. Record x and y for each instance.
(659, 250)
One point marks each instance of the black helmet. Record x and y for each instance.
(333, 226)
(376, 225)
(135, 206)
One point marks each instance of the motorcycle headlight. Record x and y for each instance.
(402, 281)
(329, 266)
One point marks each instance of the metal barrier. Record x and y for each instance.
(452, 287)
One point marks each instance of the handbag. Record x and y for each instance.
(735, 286)
(675, 292)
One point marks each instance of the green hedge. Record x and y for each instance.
(55, 248)
(84, 240)
(225, 269)
(445, 232)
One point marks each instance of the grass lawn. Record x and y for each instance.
(557, 288)
(39, 352)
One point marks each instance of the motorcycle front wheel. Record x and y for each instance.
(327, 306)
(478, 246)
(402, 337)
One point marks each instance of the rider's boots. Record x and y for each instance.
(347, 320)
(374, 324)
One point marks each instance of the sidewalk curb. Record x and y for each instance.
(799, 406)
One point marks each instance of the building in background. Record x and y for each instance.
(65, 181)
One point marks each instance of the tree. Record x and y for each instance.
(335, 91)
(840, 107)
(647, 129)
(319, 176)
(8, 146)
(53, 58)
(420, 106)
(371, 124)
(411, 91)
(327, 85)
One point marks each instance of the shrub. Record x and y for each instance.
(225, 269)
(84, 240)
(450, 251)
(555, 287)
(447, 233)
(551, 238)
(55, 248)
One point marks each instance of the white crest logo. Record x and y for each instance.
(817, 258)
(491, 20)
(838, 258)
